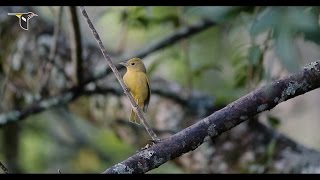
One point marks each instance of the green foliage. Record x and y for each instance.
(36, 146)
(285, 48)
(144, 17)
(286, 23)
(113, 146)
(219, 14)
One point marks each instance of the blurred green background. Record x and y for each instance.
(245, 48)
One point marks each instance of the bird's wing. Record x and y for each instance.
(146, 102)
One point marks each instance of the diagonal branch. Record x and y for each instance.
(134, 105)
(167, 41)
(264, 98)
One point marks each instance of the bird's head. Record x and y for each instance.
(134, 64)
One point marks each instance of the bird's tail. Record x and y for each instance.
(134, 118)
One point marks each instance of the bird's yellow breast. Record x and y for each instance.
(137, 84)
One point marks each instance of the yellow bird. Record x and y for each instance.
(138, 84)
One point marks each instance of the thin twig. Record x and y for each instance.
(116, 72)
(3, 167)
(76, 45)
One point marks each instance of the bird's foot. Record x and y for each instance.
(151, 143)
(155, 141)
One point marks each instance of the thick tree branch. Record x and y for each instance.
(257, 136)
(76, 45)
(264, 98)
(134, 105)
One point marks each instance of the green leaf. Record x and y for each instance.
(285, 48)
(218, 14)
(254, 55)
(302, 20)
(267, 19)
(161, 12)
(274, 121)
(137, 17)
(306, 21)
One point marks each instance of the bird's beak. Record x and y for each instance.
(124, 64)
(35, 14)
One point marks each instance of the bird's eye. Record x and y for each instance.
(132, 64)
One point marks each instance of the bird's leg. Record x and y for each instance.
(145, 147)
(151, 143)
(155, 141)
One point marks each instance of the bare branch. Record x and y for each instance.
(3, 167)
(39, 106)
(178, 35)
(76, 45)
(117, 74)
(262, 99)
(167, 41)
